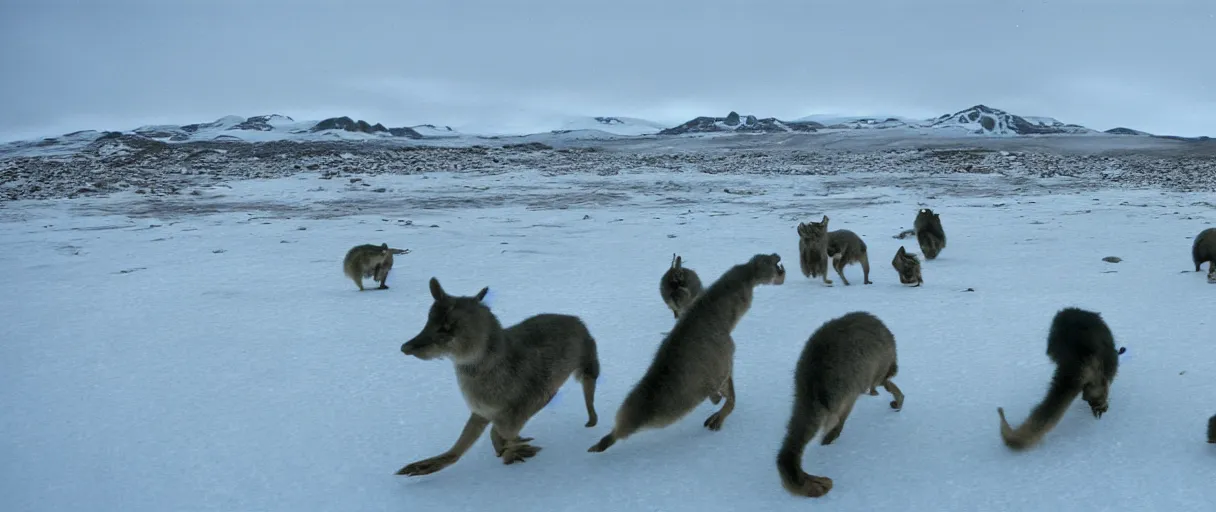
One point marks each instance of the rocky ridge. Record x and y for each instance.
(124, 162)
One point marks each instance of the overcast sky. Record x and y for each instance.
(518, 65)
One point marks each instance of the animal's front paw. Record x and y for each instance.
(427, 466)
(1099, 410)
(714, 421)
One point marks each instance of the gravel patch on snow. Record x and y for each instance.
(135, 164)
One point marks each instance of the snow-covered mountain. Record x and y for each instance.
(985, 120)
(733, 122)
(627, 126)
(271, 128)
(977, 120)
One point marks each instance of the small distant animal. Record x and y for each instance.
(369, 260)
(1212, 429)
(908, 267)
(695, 361)
(929, 233)
(506, 375)
(1204, 251)
(816, 245)
(813, 250)
(844, 358)
(679, 286)
(1083, 349)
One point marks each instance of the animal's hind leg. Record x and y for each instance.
(382, 275)
(865, 268)
(838, 264)
(714, 422)
(898, 403)
(587, 373)
(841, 416)
(588, 383)
(358, 282)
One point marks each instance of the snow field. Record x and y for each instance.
(258, 378)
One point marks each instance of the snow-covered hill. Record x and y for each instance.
(855, 122)
(979, 120)
(628, 126)
(733, 122)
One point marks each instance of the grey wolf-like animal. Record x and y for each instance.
(816, 245)
(369, 260)
(679, 286)
(929, 233)
(908, 267)
(1204, 251)
(843, 359)
(695, 361)
(506, 375)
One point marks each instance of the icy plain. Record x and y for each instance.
(205, 352)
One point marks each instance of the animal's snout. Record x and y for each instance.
(414, 346)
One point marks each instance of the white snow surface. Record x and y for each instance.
(233, 366)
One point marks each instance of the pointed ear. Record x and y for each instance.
(482, 294)
(384, 246)
(679, 261)
(437, 291)
(900, 252)
(937, 216)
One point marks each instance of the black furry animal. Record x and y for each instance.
(1083, 348)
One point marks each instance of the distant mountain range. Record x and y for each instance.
(979, 120)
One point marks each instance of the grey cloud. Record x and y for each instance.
(505, 66)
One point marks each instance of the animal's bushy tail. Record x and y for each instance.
(804, 423)
(1064, 389)
(804, 258)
